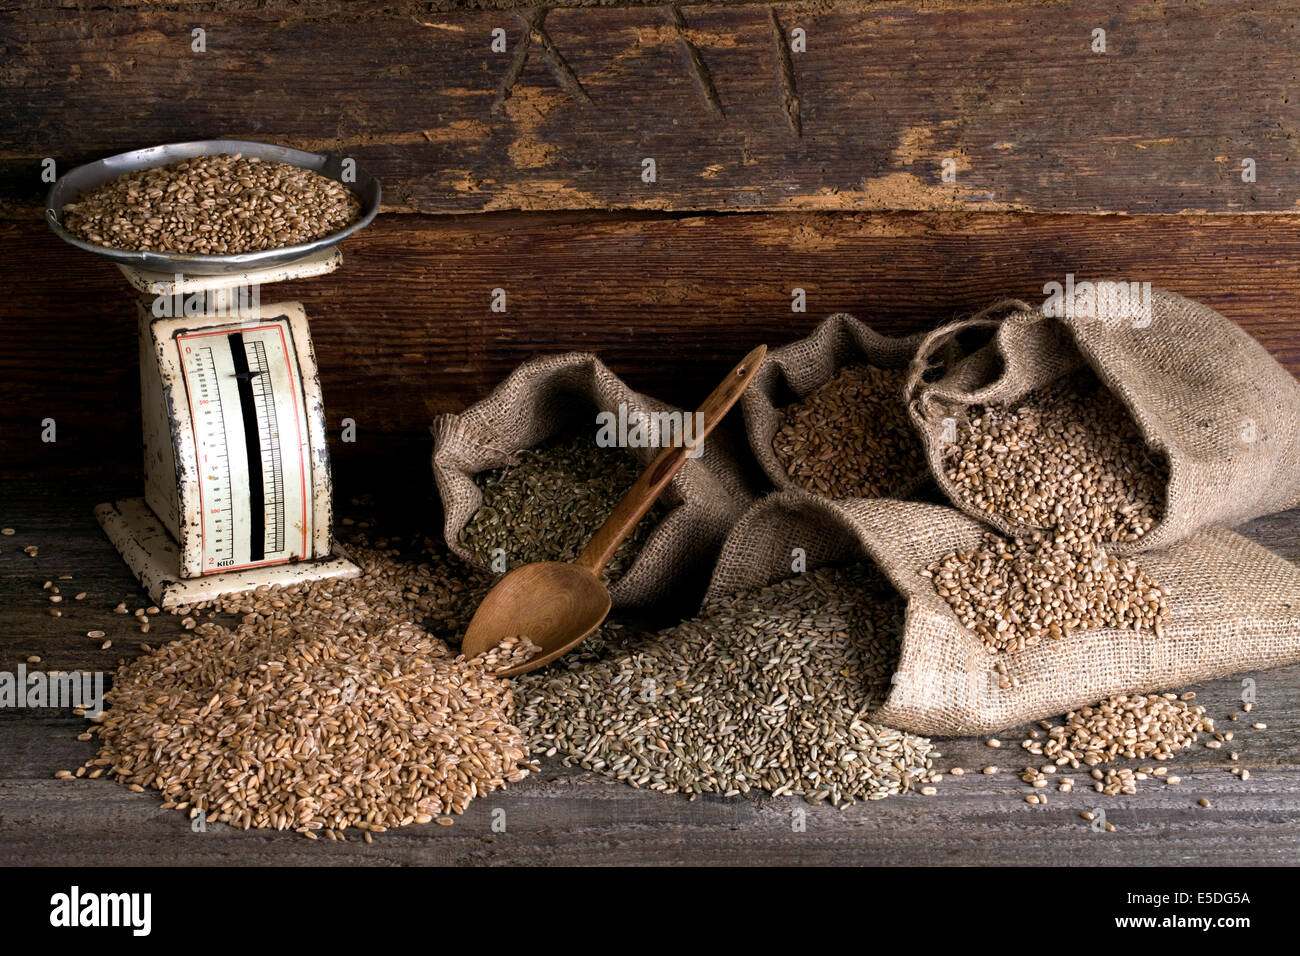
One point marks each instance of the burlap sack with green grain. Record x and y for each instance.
(1204, 394)
(1233, 607)
(547, 396)
(791, 371)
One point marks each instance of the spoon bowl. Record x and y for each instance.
(557, 604)
(553, 603)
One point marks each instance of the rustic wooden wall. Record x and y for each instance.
(1011, 91)
(775, 170)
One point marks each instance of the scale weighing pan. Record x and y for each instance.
(85, 178)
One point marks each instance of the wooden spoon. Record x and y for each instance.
(557, 604)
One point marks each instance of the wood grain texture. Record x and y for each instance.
(404, 330)
(563, 118)
(568, 816)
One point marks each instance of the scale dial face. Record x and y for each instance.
(242, 426)
(250, 438)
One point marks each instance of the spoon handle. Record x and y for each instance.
(637, 500)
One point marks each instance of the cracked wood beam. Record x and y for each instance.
(700, 69)
(785, 75)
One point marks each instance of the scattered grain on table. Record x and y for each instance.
(1138, 725)
(765, 690)
(324, 706)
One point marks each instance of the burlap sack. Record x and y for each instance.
(542, 398)
(1204, 394)
(792, 371)
(1233, 607)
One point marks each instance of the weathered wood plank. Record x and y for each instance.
(567, 816)
(1010, 92)
(404, 330)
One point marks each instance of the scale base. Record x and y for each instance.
(151, 553)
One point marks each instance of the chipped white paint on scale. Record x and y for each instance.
(151, 552)
(237, 480)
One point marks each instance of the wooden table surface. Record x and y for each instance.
(570, 816)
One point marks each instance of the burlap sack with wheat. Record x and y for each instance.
(1203, 393)
(792, 371)
(1233, 607)
(540, 400)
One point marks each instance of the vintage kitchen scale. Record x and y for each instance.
(236, 464)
